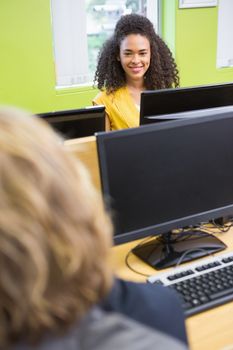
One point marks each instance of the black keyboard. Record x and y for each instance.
(202, 285)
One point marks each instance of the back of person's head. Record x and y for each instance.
(54, 233)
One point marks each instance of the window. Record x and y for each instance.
(225, 29)
(79, 29)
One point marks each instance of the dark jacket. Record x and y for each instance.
(154, 306)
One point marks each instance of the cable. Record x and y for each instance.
(223, 228)
(183, 234)
(131, 268)
(189, 251)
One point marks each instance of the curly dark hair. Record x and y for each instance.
(162, 72)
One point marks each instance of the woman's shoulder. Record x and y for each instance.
(156, 306)
(104, 95)
(102, 98)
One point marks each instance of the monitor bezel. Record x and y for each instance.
(120, 238)
(89, 112)
(146, 118)
(86, 110)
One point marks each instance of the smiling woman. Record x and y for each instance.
(134, 59)
(80, 27)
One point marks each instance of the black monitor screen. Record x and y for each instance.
(166, 176)
(76, 123)
(157, 105)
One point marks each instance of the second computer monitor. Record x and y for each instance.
(158, 105)
(75, 123)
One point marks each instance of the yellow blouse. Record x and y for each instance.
(120, 108)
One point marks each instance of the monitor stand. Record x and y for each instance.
(175, 248)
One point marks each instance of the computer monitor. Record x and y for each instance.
(156, 105)
(198, 113)
(168, 176)
(76, 123)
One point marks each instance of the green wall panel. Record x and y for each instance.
(193, 33)
(27, 71)
(168, 26)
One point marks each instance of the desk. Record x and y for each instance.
(86, 150)
(210, 330)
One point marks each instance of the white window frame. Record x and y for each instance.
(197, 3)
(70, 40)
(225, 30)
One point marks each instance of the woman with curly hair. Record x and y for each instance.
(134, 59)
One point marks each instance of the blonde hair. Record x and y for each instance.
(54, 233)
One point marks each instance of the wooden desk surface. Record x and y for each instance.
(209, 330)
(86, 150)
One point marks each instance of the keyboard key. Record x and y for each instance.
(220, 294)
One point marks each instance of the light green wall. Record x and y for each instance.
(193, 34)
(27, 72)
(168, 26)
